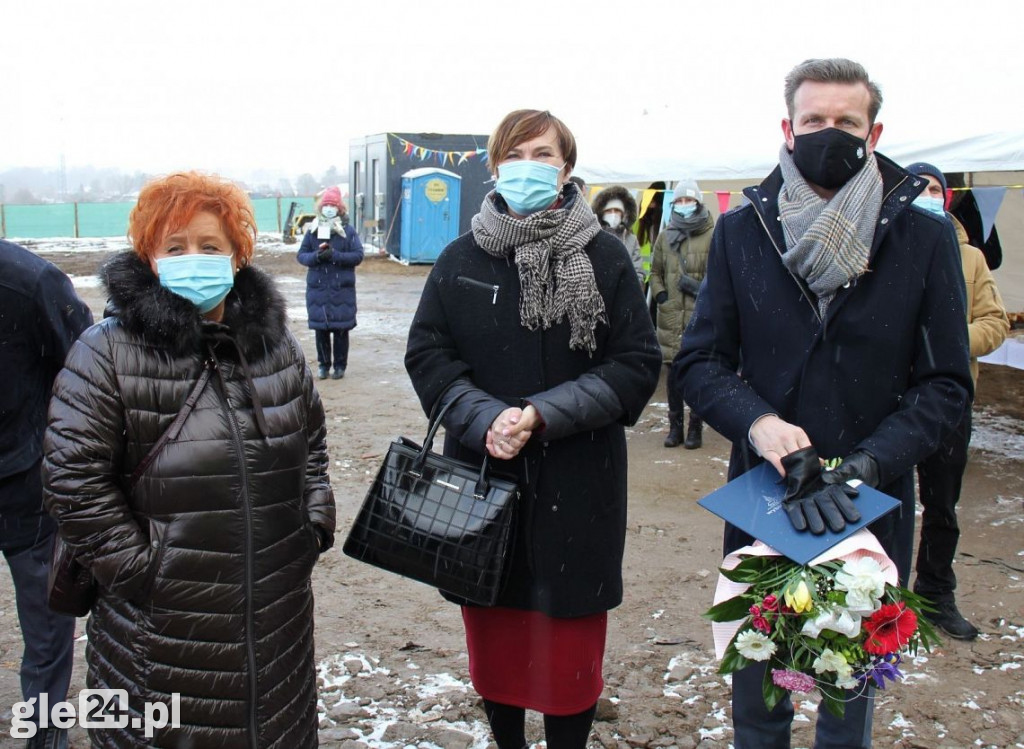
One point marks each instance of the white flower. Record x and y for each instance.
(754, 645)
(864, 585)
(829, 660)
(845, 679)
(837, 619)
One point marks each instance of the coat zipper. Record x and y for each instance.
(250, 635)
(480, 284)
(814, 304)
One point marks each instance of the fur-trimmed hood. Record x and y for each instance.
(611, 193)
(254, 312)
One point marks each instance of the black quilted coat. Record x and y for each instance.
(204, 568)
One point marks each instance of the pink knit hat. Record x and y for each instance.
(332, 196)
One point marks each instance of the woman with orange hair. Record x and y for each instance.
(203, 547)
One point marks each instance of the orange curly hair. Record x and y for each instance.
(169, 203)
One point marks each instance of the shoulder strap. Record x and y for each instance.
(171, 433)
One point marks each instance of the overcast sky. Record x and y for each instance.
(278, 87)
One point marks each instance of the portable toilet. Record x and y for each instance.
(430, 213)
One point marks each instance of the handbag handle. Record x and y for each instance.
(482, 484)
(171, 433)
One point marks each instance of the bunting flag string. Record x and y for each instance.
(439, 156)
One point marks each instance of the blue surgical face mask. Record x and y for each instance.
(202, 279)
(685, 209)
(329, 211)
(528, 186)
(935, 205)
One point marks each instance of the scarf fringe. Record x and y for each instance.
(555, 274)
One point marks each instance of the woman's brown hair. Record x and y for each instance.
(522, 125)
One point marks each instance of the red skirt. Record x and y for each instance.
(530, 660)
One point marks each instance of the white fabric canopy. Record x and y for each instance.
(642, 154)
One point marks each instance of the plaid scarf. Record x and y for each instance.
(828, 242)
(555, 273)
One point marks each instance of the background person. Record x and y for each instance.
(794, 283)
(40, 318)
(535, 318)
(678, 262)
(331, 250)
(204, 567)
(941, 474)
(615, 209)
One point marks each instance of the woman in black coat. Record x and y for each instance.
(534, 321)
(204, 566)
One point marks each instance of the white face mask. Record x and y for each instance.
(613, 219)
(329, 211)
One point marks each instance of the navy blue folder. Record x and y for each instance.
(753, 503)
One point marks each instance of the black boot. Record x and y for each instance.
(693, 433)
(675, 429)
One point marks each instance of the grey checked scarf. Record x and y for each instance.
(555, 274)
(828, 242)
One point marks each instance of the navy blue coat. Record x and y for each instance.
(331, 283)
(40, 318)
(886, 371)
(571, 524)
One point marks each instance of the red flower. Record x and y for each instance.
(771, 603)
(889, 629)
(755, 611)
(761, 624)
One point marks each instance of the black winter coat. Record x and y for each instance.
(204, 568)
(40, 317)
(886, 371)
(570, 535)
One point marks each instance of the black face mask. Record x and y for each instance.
(829, 157)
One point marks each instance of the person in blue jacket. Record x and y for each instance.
(40, 318)
(331, 250)
(831, 316)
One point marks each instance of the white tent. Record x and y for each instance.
(639, 155)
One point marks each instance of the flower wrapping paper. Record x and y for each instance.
(857, 546)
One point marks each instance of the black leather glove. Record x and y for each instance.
(324, 255)
(808, 499)
(661, 298)
(857, 465)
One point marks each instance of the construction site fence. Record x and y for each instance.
(111, 219)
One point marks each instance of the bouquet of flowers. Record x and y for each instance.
(839, 623)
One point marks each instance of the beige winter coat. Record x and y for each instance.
(987, 323)
(667, 264)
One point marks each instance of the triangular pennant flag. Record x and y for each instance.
(723, 200)
(666, 210)
(645, 200)
(989, 199)
(949, 198)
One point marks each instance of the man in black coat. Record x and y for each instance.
(40, 317)
(831, 316)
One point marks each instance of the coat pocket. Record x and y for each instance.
(472, 283)
(157, 545)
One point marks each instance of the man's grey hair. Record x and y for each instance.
(832, 70)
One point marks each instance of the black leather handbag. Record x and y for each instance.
(438, 520)
(71, 589)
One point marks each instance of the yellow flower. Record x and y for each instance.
(798, 597)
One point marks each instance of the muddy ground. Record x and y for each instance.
(393, 667)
